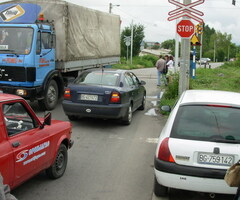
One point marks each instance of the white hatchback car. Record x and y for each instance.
(199, 142)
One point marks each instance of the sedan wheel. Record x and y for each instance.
(128, 116)
(142, 107)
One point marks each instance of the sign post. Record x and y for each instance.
(185, 29)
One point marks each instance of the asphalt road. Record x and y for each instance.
(109, 161)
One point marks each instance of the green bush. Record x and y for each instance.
(146, 61)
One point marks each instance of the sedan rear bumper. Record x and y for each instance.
(111, 111)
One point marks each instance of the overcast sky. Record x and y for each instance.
(218, 14)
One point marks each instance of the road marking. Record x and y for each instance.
(151, 112)
(147, 140)
(152, 140)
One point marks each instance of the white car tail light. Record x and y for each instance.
(164, 151)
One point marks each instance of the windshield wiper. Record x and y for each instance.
(10, 50)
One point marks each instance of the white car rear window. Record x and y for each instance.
(207, 123)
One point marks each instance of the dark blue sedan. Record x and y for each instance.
(104, 93)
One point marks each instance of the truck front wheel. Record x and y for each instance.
(59, 166)
(50, 99)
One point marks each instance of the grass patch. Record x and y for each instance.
(138, 62)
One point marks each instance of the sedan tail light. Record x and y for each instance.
(115, 98)
(67, 93)
(164, 151)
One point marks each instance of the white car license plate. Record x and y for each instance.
(215, 159)
(89, 97)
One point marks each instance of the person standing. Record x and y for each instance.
(170, 62)
(161, 66)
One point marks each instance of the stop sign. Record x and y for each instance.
(185, 28)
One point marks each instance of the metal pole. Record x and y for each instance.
(185, 63)
(201, 48)
(131, 41)
(228, 52)
(110, 7)
(127, 54)
(176, 48)
(214, 51)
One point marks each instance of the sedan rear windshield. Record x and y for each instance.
(98, 78)
(207, 123)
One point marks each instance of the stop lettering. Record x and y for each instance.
(185, 28)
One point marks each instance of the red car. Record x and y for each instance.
(29, 144)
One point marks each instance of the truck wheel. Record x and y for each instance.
(50, 97)
(159, 190)
(59, 166)
(127, 119)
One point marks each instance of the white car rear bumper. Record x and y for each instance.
(191, 183)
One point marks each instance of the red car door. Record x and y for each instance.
(6, 157)
(30, 144)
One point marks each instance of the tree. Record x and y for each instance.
(169, 44)
(138, 36)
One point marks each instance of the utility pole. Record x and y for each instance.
(185, 62)
(131, 42)
(111, 7)
(214, 51)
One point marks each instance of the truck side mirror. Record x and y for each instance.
(47, 120)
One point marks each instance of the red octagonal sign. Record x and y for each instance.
(185, 28)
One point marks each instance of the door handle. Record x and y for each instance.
(16, 144)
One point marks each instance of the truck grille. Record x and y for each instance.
(19, 74)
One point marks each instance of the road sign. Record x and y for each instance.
(186, 10)
(185, 28)
(187, 7)
(195, 40)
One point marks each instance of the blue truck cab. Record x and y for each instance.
(27, 62)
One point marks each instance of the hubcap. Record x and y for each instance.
(51, 94)
(60, 161)
(130, 113)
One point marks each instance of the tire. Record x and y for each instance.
(127, 119)
(142, 107)
(159, 190)
(72, 117)
(50, 99)
(59, 166)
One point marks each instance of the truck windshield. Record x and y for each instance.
(15, 40)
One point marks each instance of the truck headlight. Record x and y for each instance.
(21, 92)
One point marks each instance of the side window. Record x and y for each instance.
(129, 79)
(46, 40)
(17, 119)
(135, 79)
